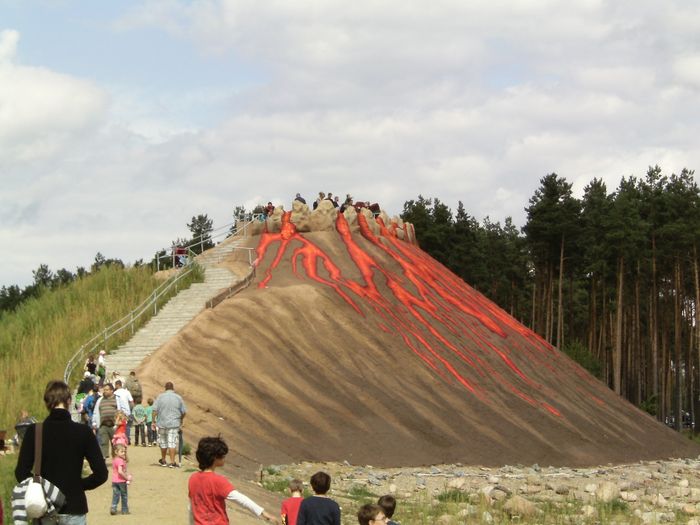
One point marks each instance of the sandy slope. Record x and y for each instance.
(373, 363)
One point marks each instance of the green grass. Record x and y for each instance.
(453, 496)
(275, 485)
(7, 481)
(360, 492)
(424, 511)
(273, 482)
(38, 339)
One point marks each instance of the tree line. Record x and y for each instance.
(611, 278)
(45, 279)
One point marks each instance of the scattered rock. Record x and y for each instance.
(607, 491)
(519, 506)
(456, 483)
(628, 496)
(486, 490)
(653, 491)
(588, 511)
(499, 494)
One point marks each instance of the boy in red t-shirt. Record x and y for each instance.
(209, 491)
(290, 506)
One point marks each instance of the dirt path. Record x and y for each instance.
(159, 495)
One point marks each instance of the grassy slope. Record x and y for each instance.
(39, 338)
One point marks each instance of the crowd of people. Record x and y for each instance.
(349, 201)
(108, 410)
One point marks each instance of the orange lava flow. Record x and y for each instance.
(434, 308)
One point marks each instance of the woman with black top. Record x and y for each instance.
(65, 445)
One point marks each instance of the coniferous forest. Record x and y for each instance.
(612, 278)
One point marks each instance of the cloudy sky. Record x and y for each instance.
(121, 120)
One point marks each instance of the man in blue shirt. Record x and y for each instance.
(168, 412)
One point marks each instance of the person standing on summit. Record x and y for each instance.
(168, 412)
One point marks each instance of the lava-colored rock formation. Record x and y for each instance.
(353, 344)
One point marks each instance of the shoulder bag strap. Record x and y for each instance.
(38, 435)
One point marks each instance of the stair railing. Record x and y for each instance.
(129, 322)
(101, 340)
(237, 227)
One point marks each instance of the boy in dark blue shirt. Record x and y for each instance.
(319, 509)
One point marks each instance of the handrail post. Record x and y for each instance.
(155, 304)
(132, 322)
(105, 340)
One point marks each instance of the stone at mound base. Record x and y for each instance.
(607, 491)
(323, 218)
(519, 506)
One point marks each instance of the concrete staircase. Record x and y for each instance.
(177, 313)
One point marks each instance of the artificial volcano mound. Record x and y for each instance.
(353, 344)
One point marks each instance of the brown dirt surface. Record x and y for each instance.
(159, 495)
(361, 348)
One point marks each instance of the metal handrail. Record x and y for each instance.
(126, 322)
(232, 290)
(222, 256)
(101, 339)
(247, 219)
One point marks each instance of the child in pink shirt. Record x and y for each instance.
(120, 479)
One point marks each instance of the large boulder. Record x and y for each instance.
(323, 218)
(300, 216)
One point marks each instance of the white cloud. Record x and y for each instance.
(472, 101)
(8, 45)
(687, 69)
(42, 112)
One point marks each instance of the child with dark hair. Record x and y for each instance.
(319, 509)
(208, 491)
(290, 506)
(371, 515)
(388, 504)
